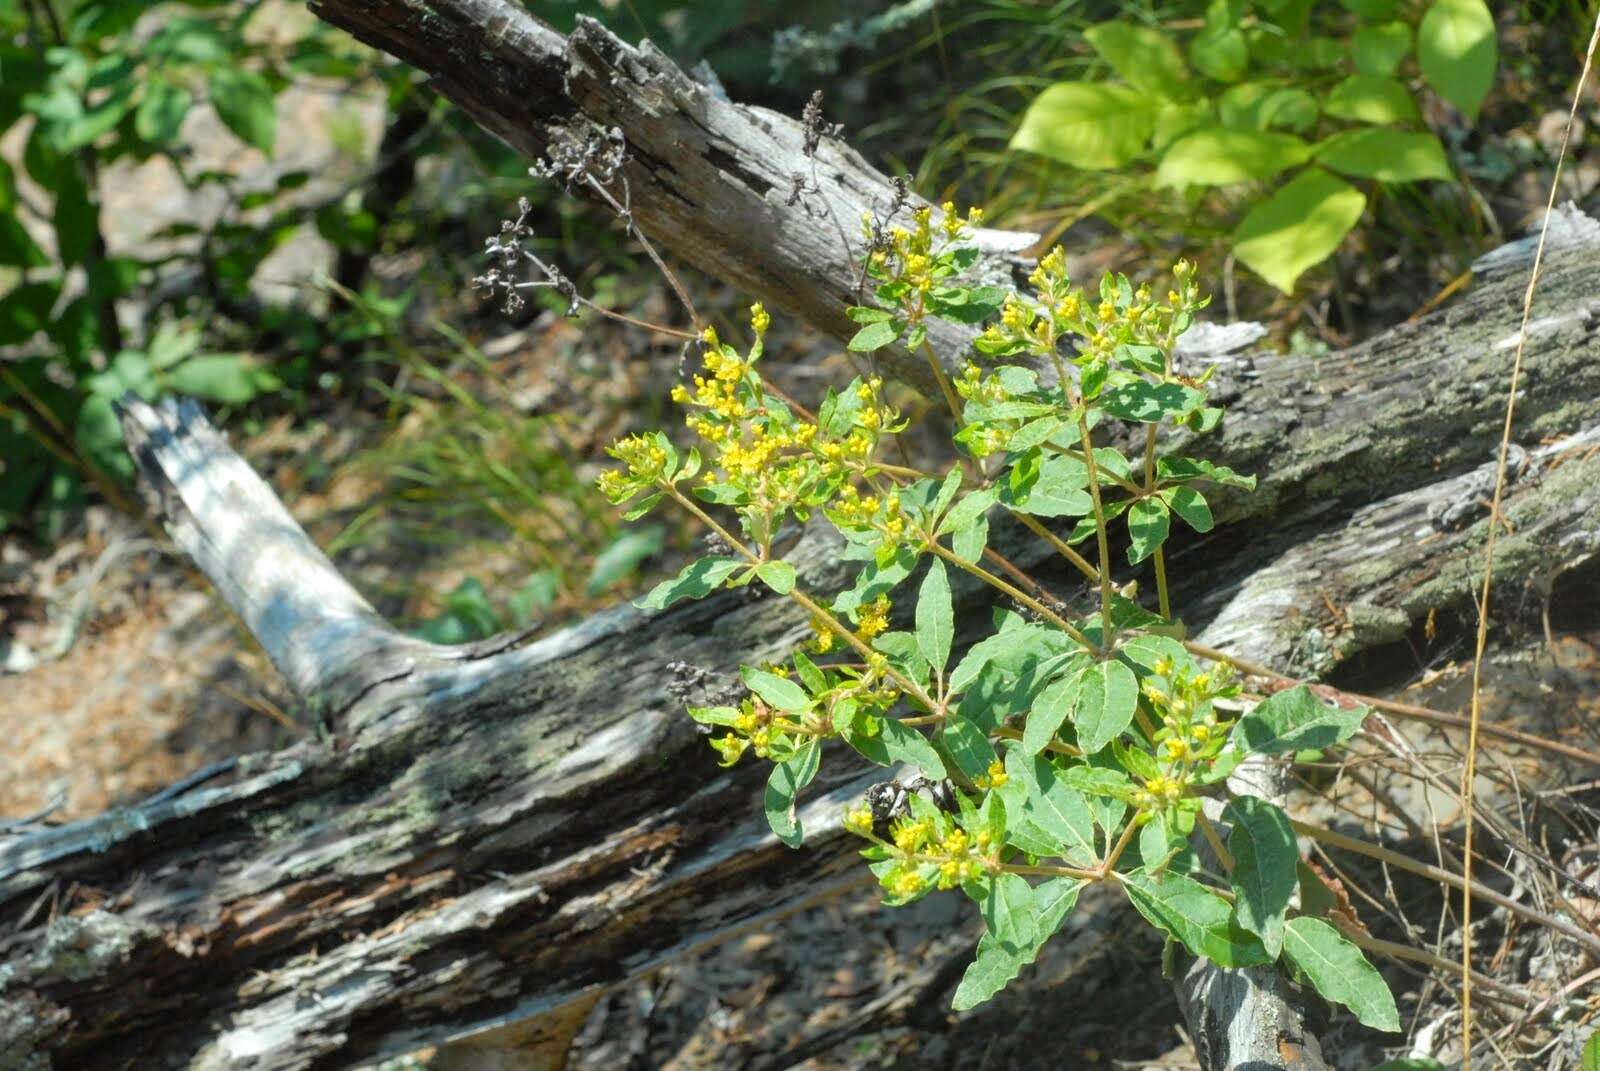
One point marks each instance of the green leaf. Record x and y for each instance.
(1198, 918)
(777, 575)
(244, 103)
(1054, 808)
(161, 112)
(1054, 486)
(1222, 55)
(696, 580)
(1265, 105)
(1148, 524)
(866, 314)
(1189, 504)
(17, 247)
(1051, 707)
(1264, 856)
(1379, 49)
(784, 785)
(1107, 696)
(622, 556)
(230, 378)
(1088, 125)
(996, 963)
(25, 310)
(1298, 226)
(1386, 155)
(1143, 57)
(76, 219)
(1144, 402)
(777, 691)
(904, 744)
(1295, 720)
(1221, 156)
(1589, 1059)
(967, 512)
(1174, 469)
(1371, 98)
(968, 746)
(1372, 9)
(935, 618)
(1457, 52)
(875, 336)
(1340, 972)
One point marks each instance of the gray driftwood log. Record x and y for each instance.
(485, 838)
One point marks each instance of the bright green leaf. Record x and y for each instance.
(1386, 155)
(1222, 156)
(1198, 918)
(1298, 226)
(1143, 57)
(1371, 98)
(1457, 52)
(1189, 504)
(875, 336)
(161, 112)
(1051, 708)
(1379, 49)
(1088, 125)
(777, 575)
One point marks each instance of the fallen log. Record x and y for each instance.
(487, 837)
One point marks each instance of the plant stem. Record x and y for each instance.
(833, 624)
(1016, 593)
(1160, 562)
(1107, 636)
(1059, 545)
(943, 381)
(1115, 855)
(1210, 832)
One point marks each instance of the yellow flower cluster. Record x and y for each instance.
(913, 256)
(852, 509)
(956, 856)
(758, 729)
(993, 777)
(1190, 733)
(873, 618)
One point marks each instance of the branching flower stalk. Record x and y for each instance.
(1064, 751)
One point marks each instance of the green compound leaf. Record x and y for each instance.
(997, 964)
(777, 691)
(1457, 52)
(779, 576)
(1088, 125)
(784, 785)
(875, 336)
(1386, 155)
(1264, 873)
(1298, 226)
(1371, 98)
(1107, 696)
(1198, 918)
(935, 618)
(1223, 156)
(1149, 522)
(1145, 58)
(1294, 721)
(244, 103)
(696, 580)
(1340, 972)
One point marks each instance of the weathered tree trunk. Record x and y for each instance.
(489, 836)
